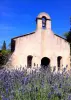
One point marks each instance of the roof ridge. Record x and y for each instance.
(23, 35)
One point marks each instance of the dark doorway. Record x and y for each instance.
(45, 61)
(59, 62)
(29, 61)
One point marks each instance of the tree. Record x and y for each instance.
(4, 46)
(68, 38)
(4, 54)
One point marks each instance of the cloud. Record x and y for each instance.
(5, 29)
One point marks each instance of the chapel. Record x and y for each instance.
(41, 48)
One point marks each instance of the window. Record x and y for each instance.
(29, 61)
(43, 22)
(59, 62)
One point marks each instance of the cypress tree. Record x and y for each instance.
(4, 46)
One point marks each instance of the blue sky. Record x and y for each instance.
(17, 17)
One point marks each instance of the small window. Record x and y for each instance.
(43, 22)
(59, 62)
(29, 61)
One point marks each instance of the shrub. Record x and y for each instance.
(38, 85)
(4, 56)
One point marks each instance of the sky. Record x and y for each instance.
(17, 17)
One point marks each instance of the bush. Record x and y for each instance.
(42, 85)
(4, 56)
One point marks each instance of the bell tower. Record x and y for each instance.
(43, 21)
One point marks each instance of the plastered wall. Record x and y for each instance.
(42, 43)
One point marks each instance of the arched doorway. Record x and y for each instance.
(29, 61)
(45, 61)
(59, 62)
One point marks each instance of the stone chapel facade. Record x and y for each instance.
(41, 47)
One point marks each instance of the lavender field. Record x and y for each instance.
(37, 85)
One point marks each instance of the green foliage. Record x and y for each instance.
(4, 52)
(4, 56)
(67, 35)
(4, 46)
